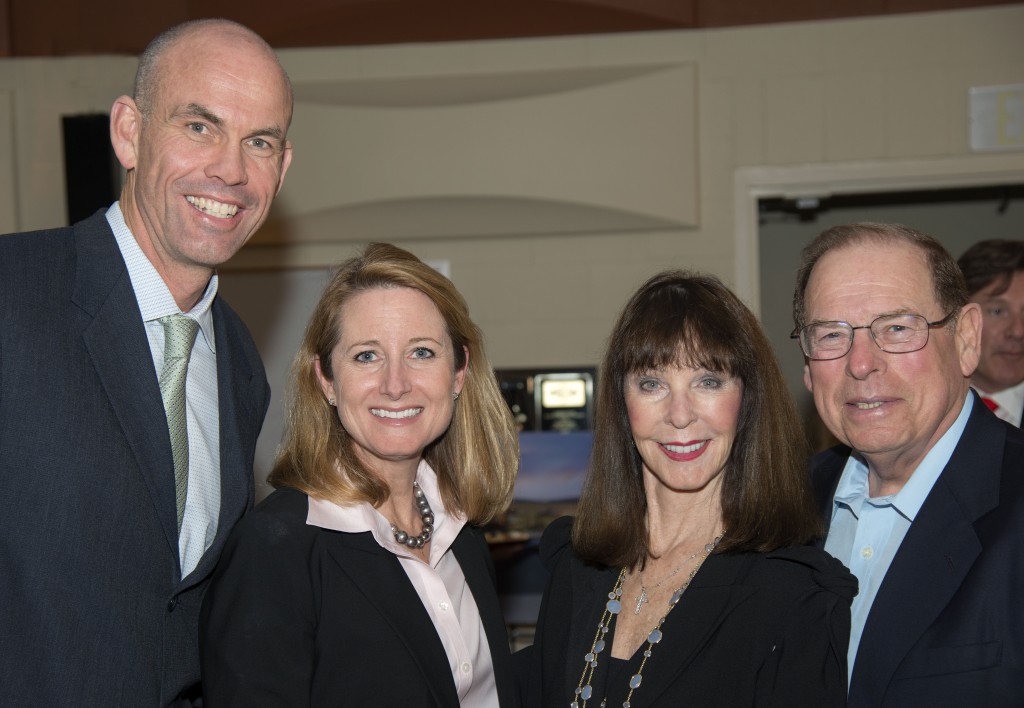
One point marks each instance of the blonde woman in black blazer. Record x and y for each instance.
(363, 580)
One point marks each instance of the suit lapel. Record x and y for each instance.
(378, 575)
(116, 342)
(239, 426)
(935, 556)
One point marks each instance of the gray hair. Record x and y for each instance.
(947, 280)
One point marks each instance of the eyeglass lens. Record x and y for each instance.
(895, 334)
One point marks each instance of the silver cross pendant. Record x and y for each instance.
(640, 600)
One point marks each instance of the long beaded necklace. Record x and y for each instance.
(584, 690)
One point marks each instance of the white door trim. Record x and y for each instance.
(820, 180)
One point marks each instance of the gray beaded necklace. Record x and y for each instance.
(426, 515)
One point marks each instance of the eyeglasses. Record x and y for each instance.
(895, 334)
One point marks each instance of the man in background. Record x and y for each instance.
(131, 396)
(924, 500)
(994, 271)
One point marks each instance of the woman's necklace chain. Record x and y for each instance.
(584, 690)
(642, 598)
(426, 516)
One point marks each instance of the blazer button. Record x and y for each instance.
(171, 604)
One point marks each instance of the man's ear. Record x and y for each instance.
(125, 125)
(807, 377)
(968, 338)
(286, 160)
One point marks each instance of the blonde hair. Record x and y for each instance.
(475, 459)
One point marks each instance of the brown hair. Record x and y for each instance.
(678, 318)
(992, 261)
(475, 459)
(950, 290)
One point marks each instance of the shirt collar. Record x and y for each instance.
(852, 490)
(1012, 399)
(362, 517)
(151, 292)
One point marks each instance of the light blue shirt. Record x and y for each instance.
(866, 532)
(202, 503)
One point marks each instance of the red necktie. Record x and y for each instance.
(992, 405)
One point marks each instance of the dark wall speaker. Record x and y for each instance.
(92, 174)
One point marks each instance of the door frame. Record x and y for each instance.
(751, 184)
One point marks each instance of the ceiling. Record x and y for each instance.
(27, 27)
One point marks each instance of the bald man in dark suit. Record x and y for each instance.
(120, 481)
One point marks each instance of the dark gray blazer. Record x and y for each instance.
(947, 625)
(299, 616)
(92, 609)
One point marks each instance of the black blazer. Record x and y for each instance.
(947, 625)
(751, 630)
(92, 607)
(298, 615)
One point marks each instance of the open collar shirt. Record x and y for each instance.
(202, 411)
(439, 583)
(866, 532)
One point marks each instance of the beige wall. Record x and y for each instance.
(885, 97)
(38, 93)
(555, 175)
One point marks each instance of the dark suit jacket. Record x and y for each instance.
(751, 630)
(299, 615)
(92, 609)
(947, 625)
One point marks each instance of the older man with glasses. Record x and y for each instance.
(924, 500)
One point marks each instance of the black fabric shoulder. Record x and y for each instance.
(278, 521)
(556, 541)
(829, 573)
(285, 502)
(236, 327)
